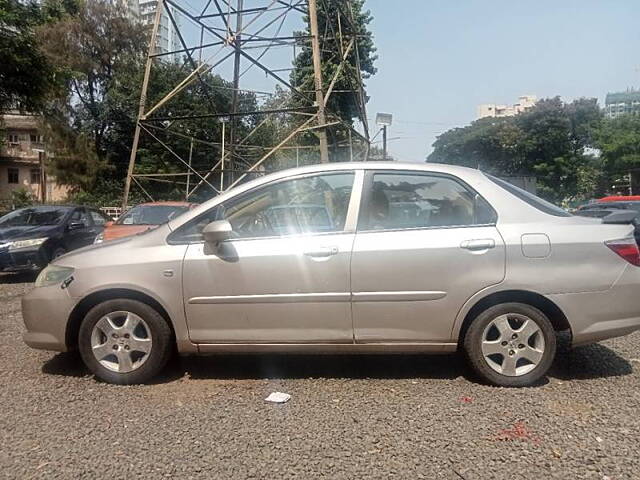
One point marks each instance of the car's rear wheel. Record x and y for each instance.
(124, 341)
(510, 345)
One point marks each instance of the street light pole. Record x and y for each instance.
(384, 142)
(384, 120)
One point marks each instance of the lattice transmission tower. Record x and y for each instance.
(234, 37)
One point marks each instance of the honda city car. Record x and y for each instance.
(410, 258)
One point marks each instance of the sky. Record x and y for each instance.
(439, 59)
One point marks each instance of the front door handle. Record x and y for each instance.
(478, 244)
(321, 252)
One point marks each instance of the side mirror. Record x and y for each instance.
(76, 225)
(217, 232)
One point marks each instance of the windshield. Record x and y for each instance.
(34, 216)
(530, 198)
(151, 214)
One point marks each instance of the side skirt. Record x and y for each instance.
(327, 348)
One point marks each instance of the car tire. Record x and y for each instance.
(116, 351)
(510, 345)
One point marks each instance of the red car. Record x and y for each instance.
(141, 218)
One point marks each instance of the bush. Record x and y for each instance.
(21, 198)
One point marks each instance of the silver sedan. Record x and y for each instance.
(351, 257)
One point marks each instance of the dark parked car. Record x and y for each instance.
(31, 237)
(601, 209)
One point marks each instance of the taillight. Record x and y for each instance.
(627, 248)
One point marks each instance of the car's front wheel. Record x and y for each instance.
(510, 345)
(124, 341)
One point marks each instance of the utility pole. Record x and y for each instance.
(317, 77)
(43, 176)
(237, 42)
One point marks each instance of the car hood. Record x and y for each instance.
(21, 233)
(118, 231)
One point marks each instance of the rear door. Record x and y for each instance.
(425, 243)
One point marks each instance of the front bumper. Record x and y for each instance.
(23, 259)
(45, 312)
(596, 316)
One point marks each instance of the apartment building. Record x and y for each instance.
(622, 103)
(167, 39)
(22, 152)
(524, 103)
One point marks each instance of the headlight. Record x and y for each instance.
(99, 238)
(32, 242)
(52, 275)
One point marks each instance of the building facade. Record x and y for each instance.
(525, 102)
(22, 153)
(622, 103)
(167, 39)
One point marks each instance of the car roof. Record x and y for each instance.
(619, 198)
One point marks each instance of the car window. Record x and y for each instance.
(412, 200)
(31, 216)
(314, 204)
(98, 219)
(530, 198)
(80, 215)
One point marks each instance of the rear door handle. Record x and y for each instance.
(321, 252)
(478, 244)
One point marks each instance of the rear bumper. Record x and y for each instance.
(45, 312)
(596, 316)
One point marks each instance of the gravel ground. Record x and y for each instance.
(349, 417)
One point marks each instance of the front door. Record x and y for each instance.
(80, 229)
(285, 278)
(425, 244)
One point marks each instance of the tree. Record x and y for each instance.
(340, 23)
(619, 142)
(90, 48)
(549, 141)
(27, 78)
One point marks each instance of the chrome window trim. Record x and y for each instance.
(435, 227)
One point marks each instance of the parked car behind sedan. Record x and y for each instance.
(33, 236)
(475, 265)
(141, 218)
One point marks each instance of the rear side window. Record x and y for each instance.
(530, 198)
(399, 200)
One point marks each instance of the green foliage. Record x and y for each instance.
(21, 197)
(27, 78)
(338, 23)
(91, 48)
(106, 191)
(549, 141)
(335, 19)
(619, 142)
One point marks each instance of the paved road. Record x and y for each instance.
(349, 417)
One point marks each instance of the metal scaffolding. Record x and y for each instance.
(233, 32)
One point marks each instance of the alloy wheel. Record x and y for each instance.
(121, 341)
(513, 344)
